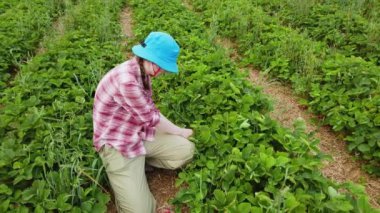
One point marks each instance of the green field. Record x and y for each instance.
(245, 161)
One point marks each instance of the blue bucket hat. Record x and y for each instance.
(161, 49)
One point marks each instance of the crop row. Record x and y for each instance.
(22, 26)
(369, 9)
(245, 161)
(47, 163)
(343, 89)
(5, 5)
(336, 23)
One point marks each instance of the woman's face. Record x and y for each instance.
(152, 69)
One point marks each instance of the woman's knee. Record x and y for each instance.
(186, 157)
(191, 150)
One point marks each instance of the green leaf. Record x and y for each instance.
(332, 192)
(99, 208)
(256, 210)
(362, 205)
(51, 204)
(244, 207)
(102, 198)
(234, 88)
(5, 205)
(87, 206)
(339, 205)
(291, 202)
(205, 135)
(22, 209)
(281, 160)
(376, 121)
(364, 148)
(245, 124)
(39, 209)
(210, 165)
(4, 189)
(269, 162)
(80, 99)
(220, 196)
(28, 194)
(61, 202)
(39, 161)
(17, 165)
(231, 197)
(76, 210)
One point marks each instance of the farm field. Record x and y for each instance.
(23, 24)
(341, 87)
(246, 160)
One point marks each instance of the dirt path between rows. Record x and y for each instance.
(56, 32)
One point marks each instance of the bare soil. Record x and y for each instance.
(126, 24)
(162, 185)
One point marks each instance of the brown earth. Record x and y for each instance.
(162, 185)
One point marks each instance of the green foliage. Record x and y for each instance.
(5, 5)
(245, 161)
(350, 96)
(47, 161)
(22, 26)
(339, 24)
(348, 93)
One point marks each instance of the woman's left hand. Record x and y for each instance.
(186, 133)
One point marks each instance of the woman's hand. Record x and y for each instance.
(186, 133)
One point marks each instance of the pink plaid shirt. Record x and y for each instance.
(124, 114)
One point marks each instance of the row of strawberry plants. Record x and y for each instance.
(245, 161)
(368, 9)
(343, 89)
(22, 27)
(5, 5)
(342, 28)
(47, 163)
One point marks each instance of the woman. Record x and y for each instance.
(128, 128)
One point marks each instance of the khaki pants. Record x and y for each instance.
(127, 176)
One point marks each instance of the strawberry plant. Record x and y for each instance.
(343, 30)
(22, 26)
(245, 161)
(336, 94)
(5, 5)
(47, 160)
(351, 101)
